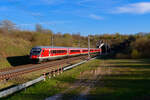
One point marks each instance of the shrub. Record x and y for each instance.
(122, 56)
(135, 54)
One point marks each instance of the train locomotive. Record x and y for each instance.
(44, 53)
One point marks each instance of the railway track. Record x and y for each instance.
(9, 73)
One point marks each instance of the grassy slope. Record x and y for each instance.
(12, 47)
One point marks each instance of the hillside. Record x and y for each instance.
(12, 47)
(16, 44)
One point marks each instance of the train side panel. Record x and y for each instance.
(43, 53)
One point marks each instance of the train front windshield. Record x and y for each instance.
(35, 51)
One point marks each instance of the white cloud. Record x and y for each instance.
(136, 8)
(96, 17)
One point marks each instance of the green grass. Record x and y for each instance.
(72, 94)
(53, 86)
(129, 80)
(12, 47)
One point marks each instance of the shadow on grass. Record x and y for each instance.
(133, 63)
(18, 60)
(105, 57)
(121, 89)
(110, 57)
(145, 60)
(7, 88)
(131, 85)
(116, 89)
(27, 96)
(128, 62)
(131, 66)
(68, 79)
(130, 95)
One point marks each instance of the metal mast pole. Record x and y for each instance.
(100, 42)
(106, 46)
(88, 46)
(52, 40)
(79, 44)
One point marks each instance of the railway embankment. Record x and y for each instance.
(22, 74)
(13, 51)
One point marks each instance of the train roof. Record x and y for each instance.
(61, 47)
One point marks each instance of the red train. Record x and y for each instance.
(43, 53)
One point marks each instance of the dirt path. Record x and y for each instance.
(95, 75)
(87, 81)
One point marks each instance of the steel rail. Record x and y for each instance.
(23, 70)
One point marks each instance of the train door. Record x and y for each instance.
(52, 52)
(45, 53)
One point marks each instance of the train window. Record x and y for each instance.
(62, 51)
(58, 51)
(74, 51)
(91, 50)
(35, 51)
(53, 51)
(85, 50)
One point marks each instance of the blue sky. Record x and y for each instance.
(84, 16)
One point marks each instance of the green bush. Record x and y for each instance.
(122, 56)
(135, 54)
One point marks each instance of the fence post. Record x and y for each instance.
(44, 76)
(61, 69)
(54, 72)
(49, 74)
(58, 70)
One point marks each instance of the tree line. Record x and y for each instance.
(122, 46)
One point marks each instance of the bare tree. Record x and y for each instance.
(39, 28)
(7, 25)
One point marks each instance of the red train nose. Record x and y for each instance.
(34, 56)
